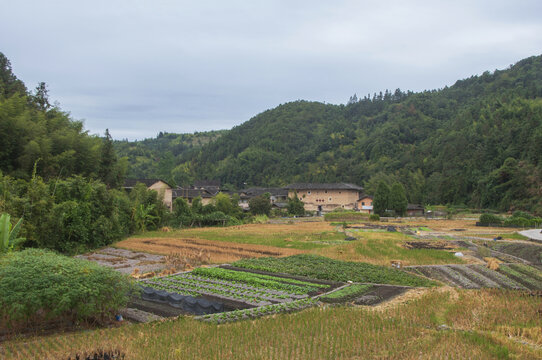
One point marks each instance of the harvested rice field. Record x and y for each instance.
(441, 323)
(209, 251)
(295, 235)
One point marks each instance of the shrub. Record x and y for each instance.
(40, 286)
(295, 206)
(490, 219)
(259, 205)
(522, 214)
(374, 217)
(260, 219)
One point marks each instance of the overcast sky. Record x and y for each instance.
(141, 67)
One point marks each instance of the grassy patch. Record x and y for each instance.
(319, 267)
(506, 236)
(382, 247)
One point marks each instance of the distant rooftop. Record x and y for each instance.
(130, 183)
(257, 191)
(316, 186)
(206, 183)
(191, 193)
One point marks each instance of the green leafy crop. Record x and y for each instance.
(40, 286)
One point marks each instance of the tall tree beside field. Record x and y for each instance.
(227, 205)
(260, 205)
(296, 206)
(381, 200)
(398, 201)
(111, 170)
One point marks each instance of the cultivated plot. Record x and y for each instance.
(508, 276)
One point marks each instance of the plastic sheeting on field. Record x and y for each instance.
(184, 302)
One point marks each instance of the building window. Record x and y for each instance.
(325, 191)
(308, 192)
(362, 203)
(329, 199)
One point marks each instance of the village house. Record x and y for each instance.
(164, 190)
(326, 197)
(211, 186)
(415, 210)
(205, 189)
(190, 194)
(365, 204)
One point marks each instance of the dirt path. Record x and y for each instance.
(534, 234)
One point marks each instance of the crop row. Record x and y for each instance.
(512, 276)
(319, 267)
(528, 270)
(346, 293)
(234, 284)
(252, 289)
(516, 273)
(501, 279)
(254, 313)
(260, 294)
(199, 291)
(270, 282)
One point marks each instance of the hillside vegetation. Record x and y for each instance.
(160, 157)
(478, 143)
(64, 183)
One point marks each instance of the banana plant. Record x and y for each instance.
(8, 233)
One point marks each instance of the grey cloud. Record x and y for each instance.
(140, 67)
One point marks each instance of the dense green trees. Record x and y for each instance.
(163, 156)
(295, 206)
(390, 199)
(63, 182)
(445, 146)
(74, 214)
(381, 200)
(397, 199)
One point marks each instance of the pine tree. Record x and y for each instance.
(398, 200)
(381, 201)
(110, 171)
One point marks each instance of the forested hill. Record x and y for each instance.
(478, 142)
(161, 156)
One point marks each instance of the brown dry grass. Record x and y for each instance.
(218, 251)
(303, 228)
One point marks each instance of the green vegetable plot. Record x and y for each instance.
(249, 288)
(319, 267)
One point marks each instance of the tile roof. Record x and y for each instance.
(130, 183)
(317, 186)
